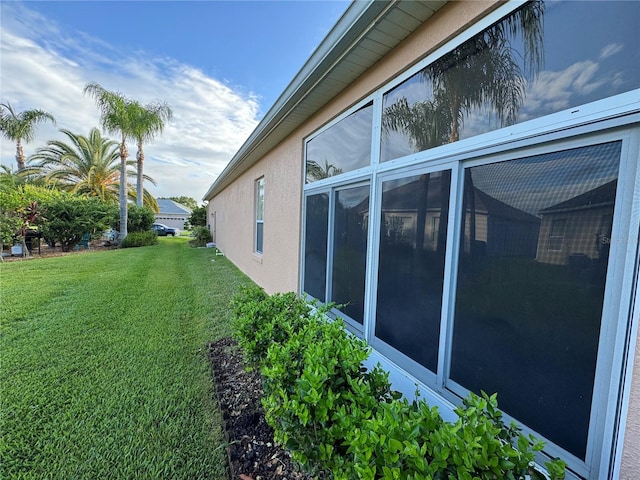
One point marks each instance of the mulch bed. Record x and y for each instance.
(252, 452)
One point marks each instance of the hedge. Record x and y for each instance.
(337, 417)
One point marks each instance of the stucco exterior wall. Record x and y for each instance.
(630, 468)
(276, 270)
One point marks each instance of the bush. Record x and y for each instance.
(261, 320)
(198, 217)
(69, 217)
(316, 392)
(139, 219)
(335, 416)
(411, 438)
(201, 236)
(139, 239)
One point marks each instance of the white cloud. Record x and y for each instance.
(552, 91)
(610, 50)
(44, 67)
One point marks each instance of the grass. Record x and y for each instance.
(104, 370)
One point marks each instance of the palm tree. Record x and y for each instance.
(427, 123)
(117, 114)
(149, 120)
(86, 165)
(19, 127)
(482, 72)
(315, 171)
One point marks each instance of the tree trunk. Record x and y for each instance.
(468, 179)
(20, 159)
(140, 178)
(25, 250)
(421, 216)
(123, 188)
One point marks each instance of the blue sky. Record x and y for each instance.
(219, 64)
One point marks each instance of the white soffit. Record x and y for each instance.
(364, 34)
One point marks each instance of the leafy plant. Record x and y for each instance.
(198, 217)
(69, 217)
(140, 239)
(316, 392)
(336, 416)
(201, 236)
(261, 320)
(139, 219)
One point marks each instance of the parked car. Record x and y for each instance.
(162, 230)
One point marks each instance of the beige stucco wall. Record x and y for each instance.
(630, 468)
(278, 268)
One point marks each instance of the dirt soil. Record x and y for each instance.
(252, 452)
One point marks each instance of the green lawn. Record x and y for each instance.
(104, 370)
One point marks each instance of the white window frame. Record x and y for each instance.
(259, 215)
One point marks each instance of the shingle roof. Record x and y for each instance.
(170, 207)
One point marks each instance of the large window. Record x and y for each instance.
(527, 317)
(543, 58)
(351, 212)
(259, 230)
(315, 246)
(413, 235)
(341, 148)
(335, 263)
(496, 264)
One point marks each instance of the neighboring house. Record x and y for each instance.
(463, 177)
(578, 230)
(172, 214)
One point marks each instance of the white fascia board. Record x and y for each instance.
(356, 20)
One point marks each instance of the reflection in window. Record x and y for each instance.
(541, 59)
(350, 250)
(527, 313)
(315, 247)
(411, 266)
(343, 147)
(556, 236)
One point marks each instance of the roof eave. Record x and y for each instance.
(351, 28)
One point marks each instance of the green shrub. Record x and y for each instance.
(201, 236)
(261, 320)
(139, 219)
(396, 438)
(411, 439)
(69, 217)
(140, 239)
(316, 392)
(198, 217)
(336, 416)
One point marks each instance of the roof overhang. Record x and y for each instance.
(364, 34)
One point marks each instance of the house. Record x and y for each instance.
(464, 178)
(172, 214)
(563, 239)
